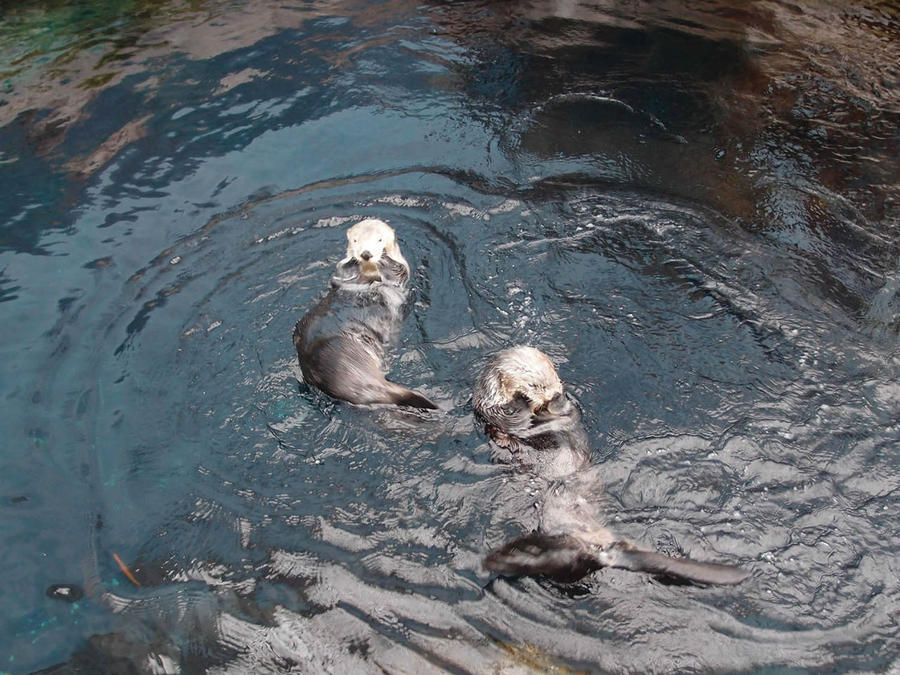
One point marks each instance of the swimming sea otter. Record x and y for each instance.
(521, 401)
(340, 342)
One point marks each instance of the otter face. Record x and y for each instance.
(520, 374)
(369, 241)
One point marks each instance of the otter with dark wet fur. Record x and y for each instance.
(525, 410)
(340, 342)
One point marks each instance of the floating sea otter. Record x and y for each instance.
(521, 401)
(340, 342)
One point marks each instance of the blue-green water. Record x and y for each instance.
(692, 207)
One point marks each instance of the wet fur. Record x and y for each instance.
(340, 342)
(520, 399)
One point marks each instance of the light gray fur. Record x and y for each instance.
(521, 401)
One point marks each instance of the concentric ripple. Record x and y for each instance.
(254, 510)
(692, 210)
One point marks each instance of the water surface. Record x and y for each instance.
(692, 207)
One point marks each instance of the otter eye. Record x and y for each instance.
(354, 240)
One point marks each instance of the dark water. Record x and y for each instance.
(693, 208)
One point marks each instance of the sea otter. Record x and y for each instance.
(520, 399)
(340, 342)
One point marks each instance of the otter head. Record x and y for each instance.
(518, 387)
(372, 253)
(519, 373)
(370, 240)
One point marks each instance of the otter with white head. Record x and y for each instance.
(340, 342)
(523, 405)
(372, 249)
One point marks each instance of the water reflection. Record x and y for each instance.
(689, 206)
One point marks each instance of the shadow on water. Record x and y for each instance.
(691, 207)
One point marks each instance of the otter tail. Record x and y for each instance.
(568, 558)
(348, 369)
(400, 395)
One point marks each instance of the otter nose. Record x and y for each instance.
(365, 255)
